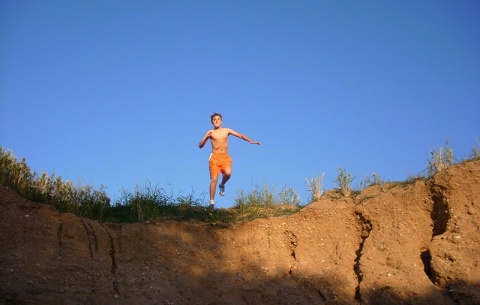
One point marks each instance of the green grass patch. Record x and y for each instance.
(153, 203)
(145, 204)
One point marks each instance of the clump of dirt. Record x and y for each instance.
(416, 243)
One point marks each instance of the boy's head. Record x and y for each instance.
(214, 115)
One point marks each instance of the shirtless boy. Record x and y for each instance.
(220, 161)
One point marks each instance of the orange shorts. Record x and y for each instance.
(218, 162)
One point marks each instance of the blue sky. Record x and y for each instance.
(120, 92)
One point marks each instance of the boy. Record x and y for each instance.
(220, 161)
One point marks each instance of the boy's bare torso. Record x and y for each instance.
(219, 140)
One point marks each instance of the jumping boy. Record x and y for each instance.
(220, 161)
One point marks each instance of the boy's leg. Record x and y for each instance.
(213, 186)
(227, 173)
(214, 173)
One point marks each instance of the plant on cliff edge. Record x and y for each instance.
(344, 181)
(315, 187)
(441, 159)
(476, 150)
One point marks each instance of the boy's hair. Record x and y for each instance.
(214, 115)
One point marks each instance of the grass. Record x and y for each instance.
(151, 203)
(264, 201)
(442, 158)
(82, 200)
(144, 204)
(476, 151)
(344, 181)
(315, 186)
(374, 179)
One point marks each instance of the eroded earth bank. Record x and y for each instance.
(416, 243)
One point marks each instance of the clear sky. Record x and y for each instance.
(121, 92)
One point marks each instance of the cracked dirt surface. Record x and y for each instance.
(393, 244)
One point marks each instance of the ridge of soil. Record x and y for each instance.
(397, 243)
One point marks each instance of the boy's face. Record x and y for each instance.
(216, 121)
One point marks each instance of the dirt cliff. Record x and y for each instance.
(399, 243)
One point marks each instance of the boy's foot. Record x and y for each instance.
(222, 189)
(211, 206)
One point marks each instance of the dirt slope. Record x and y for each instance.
(412, 244)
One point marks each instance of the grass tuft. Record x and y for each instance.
(264, 201)
(315, 185)
(476, 151)
(82, 200)
(372, 180)
(344, 181)
(441, 159)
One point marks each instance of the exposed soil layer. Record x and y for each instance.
(416, 243)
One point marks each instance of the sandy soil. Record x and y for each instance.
(395, 244)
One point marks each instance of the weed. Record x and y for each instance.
(267, 196)
(441, 159)
(476, 150)
(84, 201)
(344, 181)
(315, 187)
(147, 203)
(288, 196)
(372, 180)
(263, 201)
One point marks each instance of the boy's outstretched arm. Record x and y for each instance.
(243, 137)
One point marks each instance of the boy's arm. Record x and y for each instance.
(204, 139)
(243, 137)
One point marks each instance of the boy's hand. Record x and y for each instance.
(207, 136)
